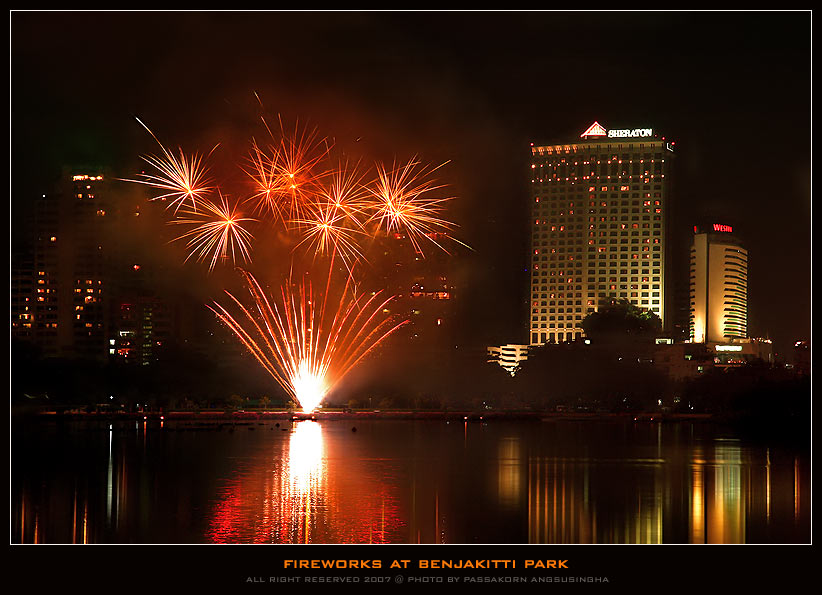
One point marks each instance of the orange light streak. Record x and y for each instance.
(308, 342)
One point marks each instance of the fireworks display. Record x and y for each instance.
(266, 183)
(296, 161)
(305, 340)
(336, 219)
(308, 341)
(403, 203)
(217, 232)
(332, 210)
(182, 179)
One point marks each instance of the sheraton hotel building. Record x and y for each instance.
(600, 218)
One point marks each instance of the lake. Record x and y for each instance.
(404, 481)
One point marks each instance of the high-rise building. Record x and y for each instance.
(84, 282)
(60, 280)
(600, 217)
(83, 267)
(719, 298)
(34, 278)
(718, 286)
(22, 298)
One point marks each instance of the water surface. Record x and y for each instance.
(404, 482)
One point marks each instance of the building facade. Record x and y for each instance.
(74, 286)
(142, 326)
(58, 285)
(600, 217)
(718, 285)
(83, 272)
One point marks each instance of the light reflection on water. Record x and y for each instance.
(294, 495)
(404, 482)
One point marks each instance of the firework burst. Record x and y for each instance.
(308, 342)
(183, 178)
(267, 183)
(293, 168)
(404, 204)
(346, 192)
(328, 232)
(336, 222)
(217, 232)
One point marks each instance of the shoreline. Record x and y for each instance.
(456, 415)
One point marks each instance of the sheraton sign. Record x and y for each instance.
(630, 133)
(596, 129)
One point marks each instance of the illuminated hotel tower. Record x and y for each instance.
(719, 286)
(600, 210)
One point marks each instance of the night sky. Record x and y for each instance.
(733, 89)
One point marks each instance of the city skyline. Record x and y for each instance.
(725, 104)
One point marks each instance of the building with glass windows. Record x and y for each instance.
(600, 217)
(58, 281)
(718, 286)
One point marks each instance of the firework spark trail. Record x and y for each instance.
(336, 220)
(268, 186)
(183, 178)
(295, 160)
(347, 193)
(217, 233)
(306, 347)
(328, 233)
(332, 210)
(403, 204)
(307, 342)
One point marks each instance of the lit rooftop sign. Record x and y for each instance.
(723, 228)
(636, 132)
(594, 129)
(597, 129)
